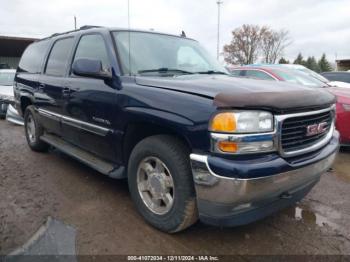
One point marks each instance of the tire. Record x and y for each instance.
(33, 130)
(174, 155)
(2, 113)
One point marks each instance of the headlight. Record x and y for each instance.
(242, 122)
(246, 132)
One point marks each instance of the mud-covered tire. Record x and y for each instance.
(175, 155)
(33, 136)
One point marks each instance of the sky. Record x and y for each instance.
(315, 26)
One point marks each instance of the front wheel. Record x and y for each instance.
(161, 184)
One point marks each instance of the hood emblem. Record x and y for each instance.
(312, 130)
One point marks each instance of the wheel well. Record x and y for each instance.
(25, 101)
(139, 131)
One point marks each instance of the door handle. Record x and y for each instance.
(66, 91)
(41, 87)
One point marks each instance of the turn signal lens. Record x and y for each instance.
(226, 146)
(224, 122)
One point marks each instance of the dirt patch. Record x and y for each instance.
(34, 186)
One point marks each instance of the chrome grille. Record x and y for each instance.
(294, 131)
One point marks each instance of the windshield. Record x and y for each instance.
(6, 78)
(314, 74)
(155, 54)
(296, 77)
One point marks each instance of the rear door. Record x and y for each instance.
(53, 85)
(91, 106)
(28, 71)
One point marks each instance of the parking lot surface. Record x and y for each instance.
(35, 186)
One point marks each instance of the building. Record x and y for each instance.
(343, 64)
(11, 49)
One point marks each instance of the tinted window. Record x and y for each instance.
(58, 58)
(93, 47)
(258, 75)
(33, 57)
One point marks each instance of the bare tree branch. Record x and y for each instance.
(273, 44)
(249, 41)
(245, 44)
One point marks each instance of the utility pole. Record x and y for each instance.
(219, 2)
(75, 23)
(129, 14)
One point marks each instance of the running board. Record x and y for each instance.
(85, 157)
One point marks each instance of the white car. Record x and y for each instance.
(7, 96)
(6, 90)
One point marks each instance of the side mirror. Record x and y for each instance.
(89, 68)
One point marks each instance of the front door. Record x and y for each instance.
(91, 106)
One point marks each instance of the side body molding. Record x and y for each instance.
(92, 128)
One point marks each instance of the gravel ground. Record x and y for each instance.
(34, 186)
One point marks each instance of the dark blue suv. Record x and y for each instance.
(192, 141)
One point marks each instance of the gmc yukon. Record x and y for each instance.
(192, 141)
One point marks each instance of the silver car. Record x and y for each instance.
(7, 97)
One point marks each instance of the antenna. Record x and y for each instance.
(129, 55)
(219, 2)
(75, 23)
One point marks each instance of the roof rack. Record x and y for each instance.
(85, 27)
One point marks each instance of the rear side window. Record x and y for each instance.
(33, 57)
(258, 75)
(58, 58)
(93, 47)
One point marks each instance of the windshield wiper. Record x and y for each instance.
(164, 70)
(211, 72)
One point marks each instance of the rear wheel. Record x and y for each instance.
(161, 184)
(33, 131)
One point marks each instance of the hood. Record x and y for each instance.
(6, 90)
(232, 92)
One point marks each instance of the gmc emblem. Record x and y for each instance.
(316, 129)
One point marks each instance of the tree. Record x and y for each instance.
(245, 44)
(283, 61)
(299, 60)
(312, 64)
(324, 65)
(273, 44)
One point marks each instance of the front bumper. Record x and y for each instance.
(232, 201)
(13, 116)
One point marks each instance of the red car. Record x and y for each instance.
(343, 113)
(275, 73)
